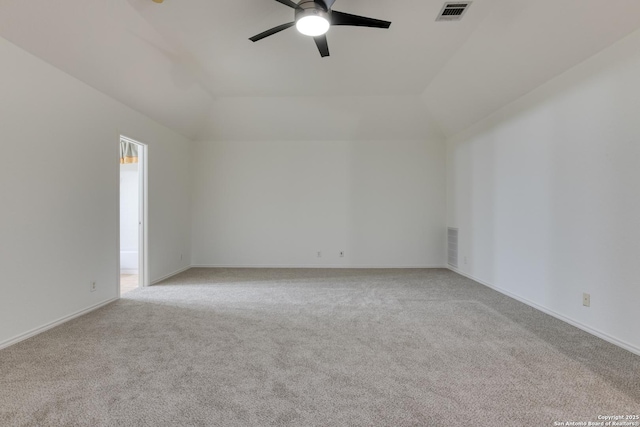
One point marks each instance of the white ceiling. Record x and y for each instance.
(363, 61)
(191, 66)
(519, 46)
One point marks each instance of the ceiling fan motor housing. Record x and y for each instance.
(313, 18)
(311, 8)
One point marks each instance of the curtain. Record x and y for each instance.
(128, 152)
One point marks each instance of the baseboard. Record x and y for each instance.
(611, 339)
(39, 330)
(343, 266)
(165, 277)
(128, 271)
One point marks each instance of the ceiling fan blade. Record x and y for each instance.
(326, 4)
(272, 31)
(341, 18)
(289, 3)
(323, 46)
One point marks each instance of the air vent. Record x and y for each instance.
(452, 246)
(453, 11)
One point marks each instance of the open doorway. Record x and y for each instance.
(133, 214)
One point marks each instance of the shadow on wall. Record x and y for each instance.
(473, 210)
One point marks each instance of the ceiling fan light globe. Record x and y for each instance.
(312, 25)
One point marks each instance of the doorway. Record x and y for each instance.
(132, 215)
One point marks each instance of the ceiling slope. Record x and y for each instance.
(518, 47)
(107, 45)
(399, 61)
(190, 65)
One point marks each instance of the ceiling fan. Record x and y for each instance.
(314, 18)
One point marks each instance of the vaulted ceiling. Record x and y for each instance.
(190, 65)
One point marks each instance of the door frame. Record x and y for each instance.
(143, 212)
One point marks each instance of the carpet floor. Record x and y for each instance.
(258, 347)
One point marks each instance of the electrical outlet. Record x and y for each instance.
(319, 254)
(465, 260)
(92, 286)
(586, 300)
(341, 254)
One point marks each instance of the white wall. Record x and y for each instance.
(59, 186)
(545, 194)
(276, 203)
(129, 218)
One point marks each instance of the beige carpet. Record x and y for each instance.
(315, 348)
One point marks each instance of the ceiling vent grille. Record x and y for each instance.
(453, 11)
(452, 246)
